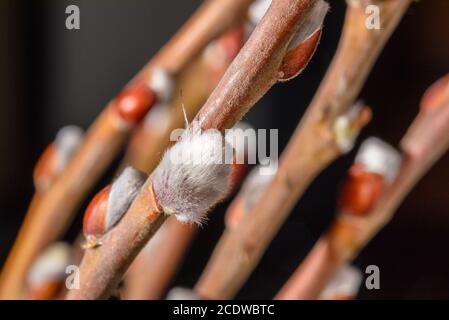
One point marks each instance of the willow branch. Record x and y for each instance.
(314, 145)
(425, 142)
(50, 218)
(252, 73)
(165, 252)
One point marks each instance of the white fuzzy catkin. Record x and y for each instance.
(123, 192)
(379, 157)
(193, 175)
(67, 141)
(162, 83)
(346, 283)
(178, 293)
(50, 265)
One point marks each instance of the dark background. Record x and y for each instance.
(50, 77)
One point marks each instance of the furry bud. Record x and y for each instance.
(344, 286)
(379, 157)
(56, 156)
(193, 175)
(376, 165)
(162, 84)
(111, 203)
(48, 272)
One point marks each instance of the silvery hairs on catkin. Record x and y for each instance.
(193, 175)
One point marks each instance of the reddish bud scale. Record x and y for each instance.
(232, 41)
(437, 95)
(296, 59)
(44, 170)
(360, 191)
(46, 291)
(94, 222)
(134, 102)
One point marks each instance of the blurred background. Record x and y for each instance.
(51, 76)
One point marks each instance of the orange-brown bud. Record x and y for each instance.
(360, 191)
(47, 291)
(297, 58)
(232, 41)
(44, 171)
(134, 102)
(94, 222)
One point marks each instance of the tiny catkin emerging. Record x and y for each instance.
(67, 142)
(50, 265)
(379, 157)
(193, 175)
(344, 285)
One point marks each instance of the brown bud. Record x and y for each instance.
(360, 191)
(134, 102)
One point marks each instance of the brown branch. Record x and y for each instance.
(194, 86)
(252, 73)
(55, 210)
(165, 252)
(311, 149)
(425, 142)
(153, 269)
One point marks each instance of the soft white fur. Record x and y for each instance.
(67, 141)
(379, 157)
(192, 175)
(346, 283)
(123, 192)
(50, 265)
(162, 83)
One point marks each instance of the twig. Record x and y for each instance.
(324, 134)
(425, 142)
(194, 85)
(257, 67)
(154, 267)
(107, 135)
(51, 163)
(164, 253)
